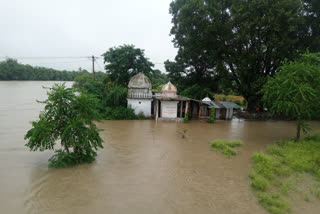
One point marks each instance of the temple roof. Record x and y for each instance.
(140, 81)
(169, 87)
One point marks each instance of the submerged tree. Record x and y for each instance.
(67, 118)
(295, 90)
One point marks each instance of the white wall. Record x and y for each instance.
(169, 109)
(217, 113)
(229, 113)
(141, 105)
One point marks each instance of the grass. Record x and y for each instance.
(226, 147)
(273, 203)
(276, 173)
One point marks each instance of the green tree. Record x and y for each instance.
(295, 90)
(125, 61)
(242, 41)
(158, 79)
(68, 118)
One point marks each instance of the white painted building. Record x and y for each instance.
(169, 105)
(140, 94)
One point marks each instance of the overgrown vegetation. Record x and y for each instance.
(67, 118)
(186, 117)
(295, 90)
(211, 117)
(277, 173)
(112, 98)
(226, 147)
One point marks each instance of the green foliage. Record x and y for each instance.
(278, 170)
(141, 116)
(239, 43)
(258, 181)
(158, 79)
(295, 90)
(197, 92)
(12, 70)
(112, 98)
(186, 118)
(68, 118)
(119, 113)
(63, 160)
(274, 204)
(211, 118)
(125, 61)
(226, 147)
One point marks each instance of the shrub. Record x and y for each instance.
(186, 118)
(141, 116)
(226, 147)
(258, 181)
(211, 118)
(119, 113)
(63, 160)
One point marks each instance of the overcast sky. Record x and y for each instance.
(73, 28)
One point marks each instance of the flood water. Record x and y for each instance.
(145, 166)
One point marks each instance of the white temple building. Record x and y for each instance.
(168, 105)
(140, 94)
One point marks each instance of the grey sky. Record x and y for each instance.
(46, 28)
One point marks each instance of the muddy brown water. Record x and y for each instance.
(145, 166)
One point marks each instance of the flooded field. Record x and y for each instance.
(145, 167)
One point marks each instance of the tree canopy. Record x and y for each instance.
(295, 90)
(240, 41)
(69, 118)
(125, 61)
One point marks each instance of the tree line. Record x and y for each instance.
(10, 69)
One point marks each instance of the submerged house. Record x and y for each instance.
(223, 110)
(168, 105)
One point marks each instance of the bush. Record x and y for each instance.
(186, 118)
(141, 116)
(258, 181)
(226, 147)
(119, 113)
(63, 160)
(211, 118)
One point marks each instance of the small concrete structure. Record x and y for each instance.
(223, 110)
(140, 94)
(168, 105)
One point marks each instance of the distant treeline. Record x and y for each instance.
(12, 70)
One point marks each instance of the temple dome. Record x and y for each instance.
(206, 99)
(140, 81)
(169, 90)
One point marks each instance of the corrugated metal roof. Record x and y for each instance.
(218, 104)
(229, 104)
(176, 98)
(214, 104)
